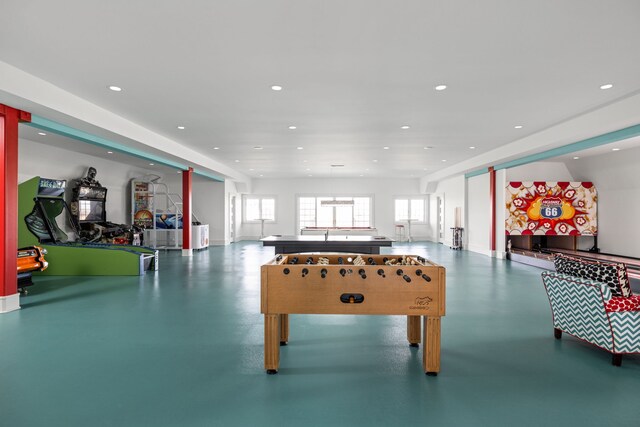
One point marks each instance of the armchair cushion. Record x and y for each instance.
(616, 304)
(611, 273)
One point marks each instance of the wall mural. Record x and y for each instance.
(551, 208)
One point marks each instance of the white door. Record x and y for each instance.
(440, 207)
(232, 218)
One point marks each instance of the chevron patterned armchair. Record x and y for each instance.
(588, 310)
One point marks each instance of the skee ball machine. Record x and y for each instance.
(41, 220)
(406, 285)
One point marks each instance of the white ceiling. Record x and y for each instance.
(353, 72)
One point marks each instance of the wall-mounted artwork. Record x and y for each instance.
(551, 208)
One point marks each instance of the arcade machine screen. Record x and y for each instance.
(91, 210)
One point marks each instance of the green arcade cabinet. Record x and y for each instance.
(41, 216)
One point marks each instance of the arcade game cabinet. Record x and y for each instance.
(88, 206)
(42, 211)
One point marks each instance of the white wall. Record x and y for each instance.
(616, 176)
(453, 193)
(540, 171)
(382, 190)
(478, 214)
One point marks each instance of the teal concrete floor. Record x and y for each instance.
(183, 347)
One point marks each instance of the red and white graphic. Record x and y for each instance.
(551, 208)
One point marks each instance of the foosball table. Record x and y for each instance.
(353, 284)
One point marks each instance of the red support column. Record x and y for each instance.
(9, 119)
(186, 212)
(492, 196)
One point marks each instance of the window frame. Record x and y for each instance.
(334, 196)
(421, 198)
(259, 197)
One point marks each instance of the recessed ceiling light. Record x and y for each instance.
(300, 148)
(405, 127)
(386, 148)
(440, 87)
(443, 160)
(375, 161)
(115, 88)
(216, 148)
(261, 175)
(151, 164)
(250, 169)
(366, 170)
(257, 147)
(307, 169)
(428, 148)
(607, 86)
(292, 127)
(472, 148)
(276, 87)
(181, 127)
(576, 158)
(42, 133)
(615, 149)
(237, 161)
(109, 152)
(517, 127)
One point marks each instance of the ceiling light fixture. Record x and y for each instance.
(216, 148)
(405, 127)
(300, 148)
(257, 147)
(109, 152)
(42, 133)
(440, 87)
(237, 161)
(607, 86)
(250, 169)
(293, 127)
(386, 148)
(276, 87)
(428, 148)
(517, 127)
(375, 161)
(576, 158)
(151, 164)
(443, 160)
(115, 88)
(615, 149)
(181, 127)
(472, 148)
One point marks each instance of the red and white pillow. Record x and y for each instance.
(631, 303)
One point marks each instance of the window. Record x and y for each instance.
(410, 208)
(257, 208)
(328, 211)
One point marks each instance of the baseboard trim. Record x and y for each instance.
(10, 303)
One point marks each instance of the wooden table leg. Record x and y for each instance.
(431, 349)
(271, 343)
(284, 329)
(413, 330)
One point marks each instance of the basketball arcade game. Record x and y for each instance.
(347, 284)
(41, 210)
